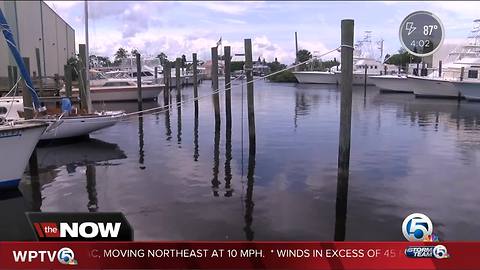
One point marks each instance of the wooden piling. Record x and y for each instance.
(178, 83)
(39, 71)
(345, 124)
(346, 94)
(250, 94)
(228, 87)
(365, 81)
(28, 114)
(27, 98)
(166, 81)
(14, 74)
(440, 68)
(85, 103)
(155, 70)
(195, 76)
(67, 69)
(296, 52)
(11, 83)
(384, 70)
(215, 88)
(139, 82)
(56, 79)
(462, 70)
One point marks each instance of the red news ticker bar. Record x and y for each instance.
(236, 255)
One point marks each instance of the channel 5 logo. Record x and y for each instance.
(66, 256)
(418, 227)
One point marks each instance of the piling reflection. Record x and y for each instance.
(228, 158)
(196, 153)
(179, 117)
(91, 173)
(168, 128)
(141, 152)
(249, 204)
(216, 160)
(341, 205)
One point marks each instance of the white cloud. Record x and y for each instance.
(229, 7)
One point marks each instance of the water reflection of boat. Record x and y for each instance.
(14, 225)
(80, 153)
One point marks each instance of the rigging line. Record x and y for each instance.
(158, 109)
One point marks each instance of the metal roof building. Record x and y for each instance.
(36, 25)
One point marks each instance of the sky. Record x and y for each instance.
(184, 27)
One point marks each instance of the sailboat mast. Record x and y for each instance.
(87, 61)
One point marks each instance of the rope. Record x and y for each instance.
(161, 108)
(14, 87)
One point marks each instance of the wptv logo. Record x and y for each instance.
(80, 226)
(64, 256)
(418, 227)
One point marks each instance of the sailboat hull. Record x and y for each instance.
(79, 126)
(18, 140)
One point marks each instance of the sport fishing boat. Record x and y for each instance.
(320, 77)
(451, 83)
(363, 61)
(470, 89)
(392, 83)
(120, 90)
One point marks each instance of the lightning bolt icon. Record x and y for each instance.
(409, 26)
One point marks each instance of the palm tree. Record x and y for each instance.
(163, 58)
(120, 55)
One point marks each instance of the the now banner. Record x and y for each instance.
(240, 255)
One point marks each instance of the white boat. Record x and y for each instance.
(320, 77)
(469, 89)
(392, 83)
(11, 108)
(464, 58)
(432, 87)
(17, 141)
(374, 68)
(120, 90)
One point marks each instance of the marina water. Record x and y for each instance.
(174, 182)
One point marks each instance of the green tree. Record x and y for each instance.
(403, 58)
(236, 65)
(134, 52)
(302, 56)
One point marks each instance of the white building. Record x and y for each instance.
(35, 25)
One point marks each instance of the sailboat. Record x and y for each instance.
(61, 125)
(17, 138)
